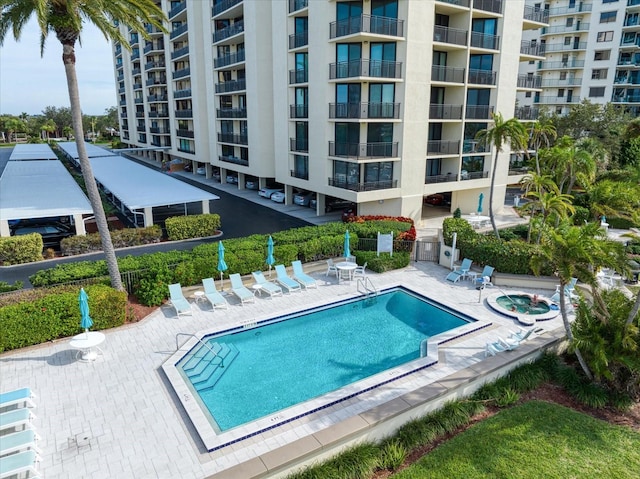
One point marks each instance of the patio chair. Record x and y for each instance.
(493, 348)
(18, 418)
(484, 278)
(350, 259)
(284, 280)
(360, 271)
(212, 294)
(20, 464)
(331, 268)
(264, 285)
(301, 277)
(240, 290)
(460, 272)
(177, 300)
(19, 441)
(19, 398)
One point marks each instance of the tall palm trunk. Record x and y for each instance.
(567, 327)
(492, 187)
(69, 60)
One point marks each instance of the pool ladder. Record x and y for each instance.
(367, 287)
(215, 355)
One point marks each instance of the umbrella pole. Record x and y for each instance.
(221, 281)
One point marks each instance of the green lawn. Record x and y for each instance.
(534, 440)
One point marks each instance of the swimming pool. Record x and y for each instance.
(281, 362)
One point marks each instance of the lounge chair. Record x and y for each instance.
(240, 290)
(484, 278)
(520, 335)
(569, 292)
(285, 280)
(493, 348)
(178, 301)
(460, 272)
(19, 464)
(18, 418)
(212, 294)
(19, 441)
(20, 398)
(266, 286)
(331, 268)
(509, 344)
(301, 277)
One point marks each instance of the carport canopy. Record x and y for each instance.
(32, 151)
(93, 151)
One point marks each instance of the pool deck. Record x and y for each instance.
(119, 417)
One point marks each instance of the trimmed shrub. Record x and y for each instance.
(20, 249)
(192, 226)
(384, 262)
(123, 238)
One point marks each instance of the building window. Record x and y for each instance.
(527, 94)
(602, 55)
(301, 167)
(563, 75)
(560, 92)
(605, 36)
(569, 22)
(599, 73)
(558, 110)
(610, 1)
(567, 40)
(597, 91)
(608, 17)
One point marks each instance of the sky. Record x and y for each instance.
(29, 83)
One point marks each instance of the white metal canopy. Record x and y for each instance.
(32, 151)
(93, 151)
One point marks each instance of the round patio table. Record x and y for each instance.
(87, 345)
(347, 268)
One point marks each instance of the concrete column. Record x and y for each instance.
(205, 207)
(4, 228)
(79, 223)
(148, 217)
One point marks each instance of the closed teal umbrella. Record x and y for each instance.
(222, 266)
(480, 198)
(347, 249)
(85, 322)
(270, 259)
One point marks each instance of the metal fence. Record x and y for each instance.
(419, 250)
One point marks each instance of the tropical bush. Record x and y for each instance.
(20, 249)
(192, 226)
(123, 238)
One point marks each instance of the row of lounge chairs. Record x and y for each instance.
(300, 280)
(464, 271)
(512, 342)
(19, 454)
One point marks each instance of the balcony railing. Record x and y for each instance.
(561, 47)
(177, 9)
(181, 73)
(531, 48)
(440, 178)
(297, 40)
(136, 71)
(445, 112)
(365, 68)
(303, 175)
(473, 146)
(458, 3)
(567, 64)
(234, 85)
(443, 147)
(220, 7)
(447, 74)
(577, 27)
(366, 24)
(138, 100)
(295, 5)
(140, 114)
(156, 81)
(179, 52)
(137, 86)
(479, 112)
(536, 14)
(238, 139)
(565, 82)
(123, 102)
(526, 113)
(231, 30)
(187, 149)
(625, 98)
(528, 81)
(494, 6)
(578, 8)
(455, 36)
(159, 131)
(364, 150)
(176, 32)
(556, 100)
(483, 40)
(233, 159)
(158, 113)
(299, 144)
(482, 77)
(364, 110)
(151, 65)
(340, 182)
(184, 113)
(231, 113)
(298, 111)
(298, 76)
(185, 133)
(140, 128)
(229, 59)
(186, 93)
(627, 80)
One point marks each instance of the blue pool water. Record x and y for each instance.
(294, 359)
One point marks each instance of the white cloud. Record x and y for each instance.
(29, 82)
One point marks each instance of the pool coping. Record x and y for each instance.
(522, 318)
(309, 410)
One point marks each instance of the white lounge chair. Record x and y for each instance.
(569, 292)
(21, 463)
(460, 272)
(18, 418)
(19, 441)
(285, 280)
(301, 277)
(493, 348)
(240, 290)
(178, 301)
(20, 398)
(212, 294)
(266, 286)
(520, 335)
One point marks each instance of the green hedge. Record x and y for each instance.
(192, 226)
(20, 249)
(36, 316)
(124, 238)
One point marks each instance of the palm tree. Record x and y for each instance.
(541, 133)
(49, 127)
(510, 131)
(66, 18)
(539, 184)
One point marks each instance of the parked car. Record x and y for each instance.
(438, 199)
(278, 197)
(232, 179)
(303, 198)
(52, 233)
(251, 183)
(331, 204)
(216, 175)
(201, 170)
(268, 191)
(350, 212)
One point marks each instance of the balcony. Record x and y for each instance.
(298, 111)
(295, 5)
(440, 178)
(140, 114)
(297, 40)
(530, 48)
(478, 112)
(229, 59)
(187, 149)
(141, 128)
(364, 150)
(137, 86)
(556, 100)
(365, 68)
(121, 89)
(177, 9)
(229, 86)
(156, 81)
(366, 24)
(340, 182)
(184, 113)
(561, 47)
(555, 65)
(184, 133)
(529, 81)
(118, 51)
(231, 113)
(138, 100)
(158, 113)
(152, 65)
(123, 102)
(120, 76)
(224, 5)
(473, 146)
(298, 76)
(579, 8)
(526, 113)
(303, 175)
(180, 52)
(237, 139)
(181, 73)
(454, 36)
(578, 27)
(494, 6)
(136, 71)
(176, 32)
(186, 93)
(627, 80)
(625, 99)
(364, 110)
(157, 98)
(233, 159)
(482, 77)
(443, 147)
(483, 40)
(159, 131)
(457, 3)
(447, 74)
(558, 82)
(299, 144)
(445, 112)
(536, 14)
(230, 31)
